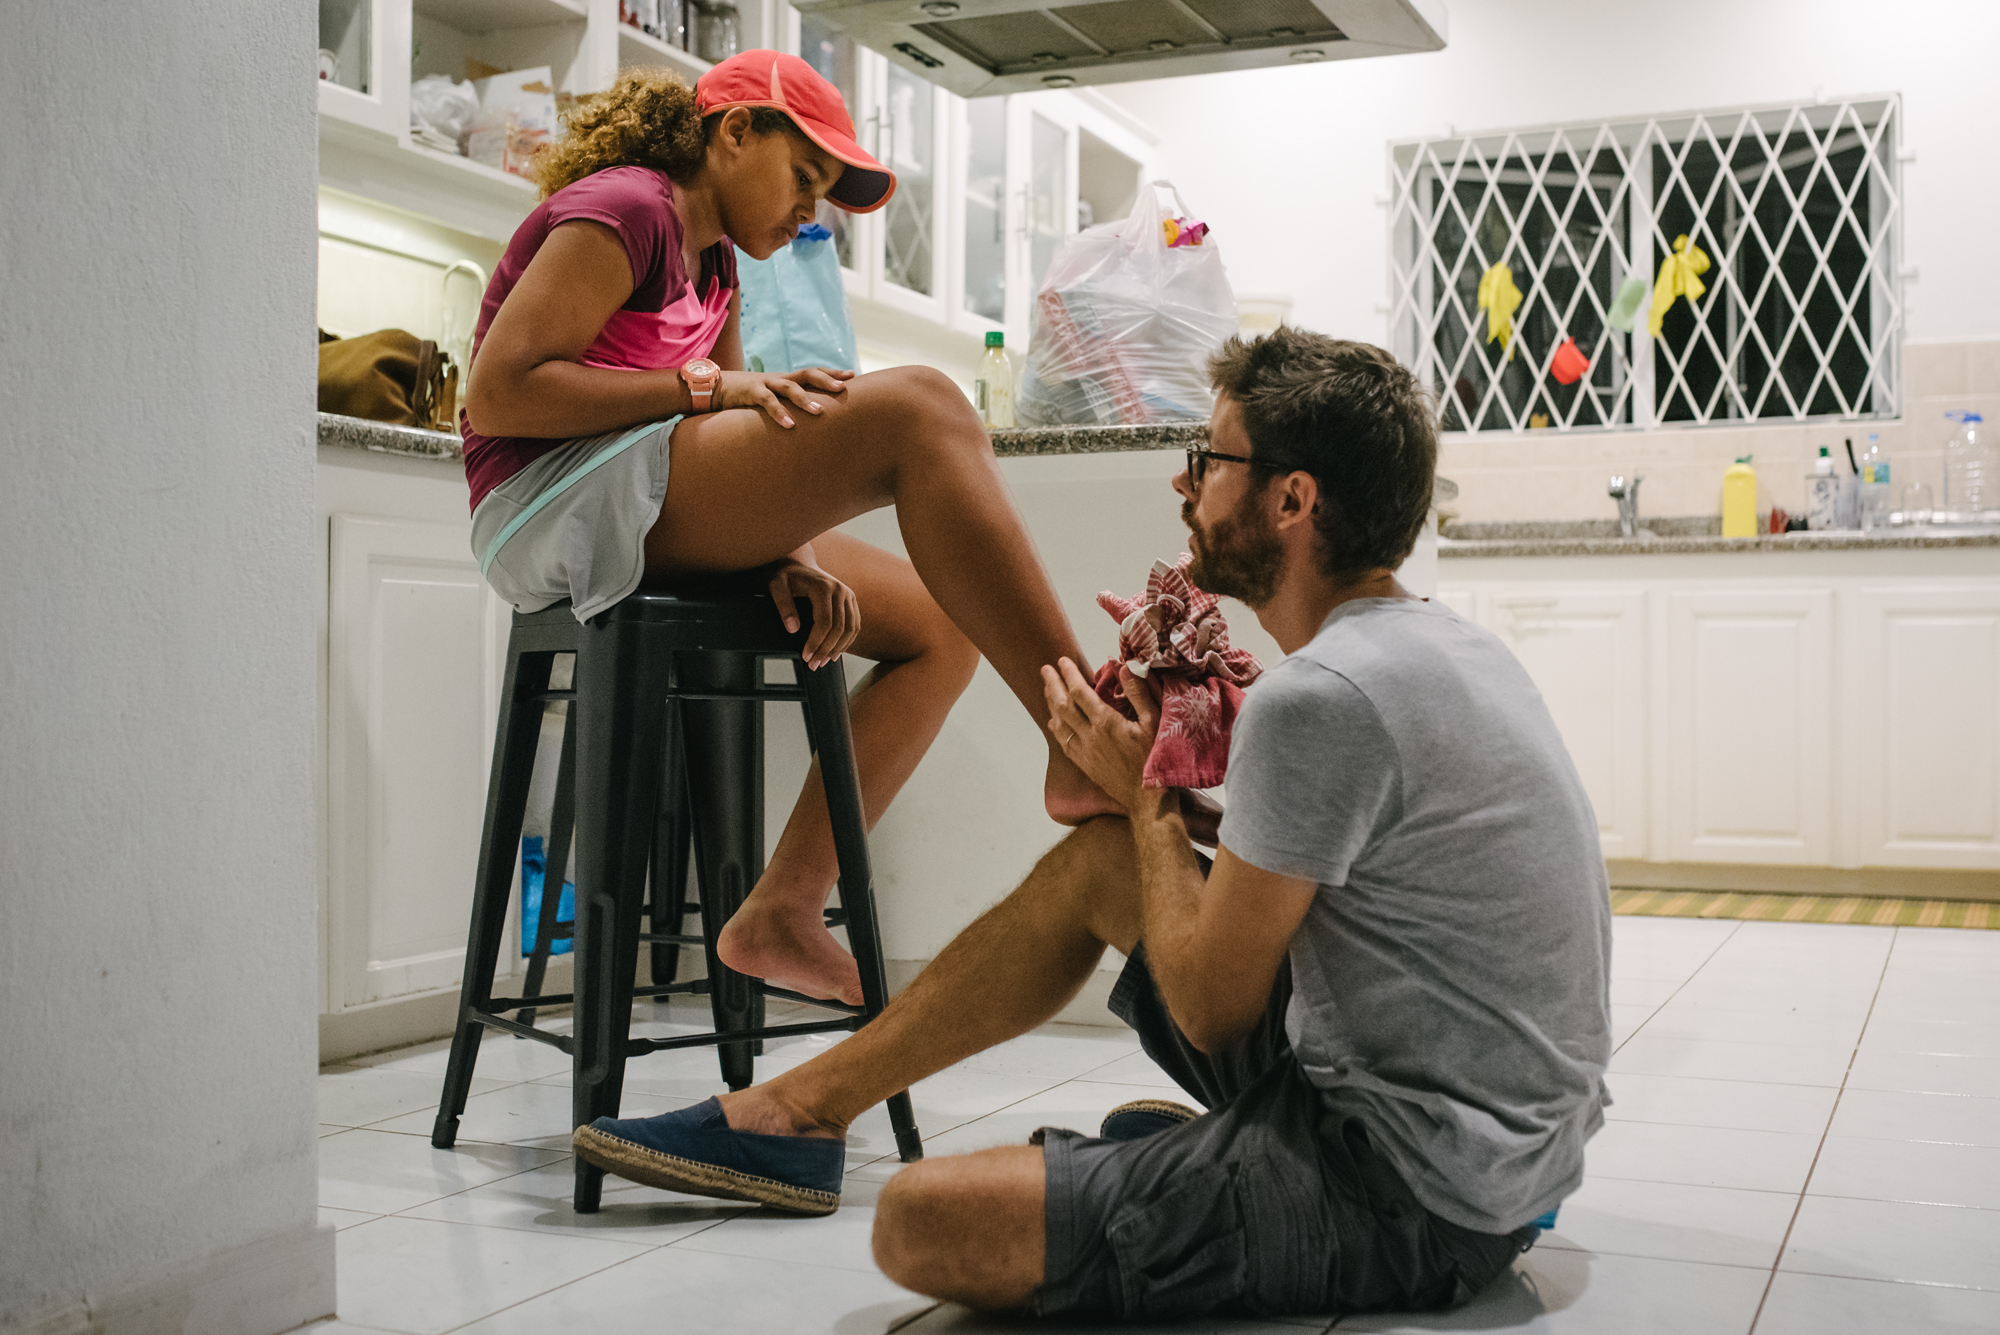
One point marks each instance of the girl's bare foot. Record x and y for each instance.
(1070, 796)
(789, 949)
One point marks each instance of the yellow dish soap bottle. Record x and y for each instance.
(1739, 500)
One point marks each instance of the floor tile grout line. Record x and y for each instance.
(488, 1316)
(1832, 1113)
(1706, 960)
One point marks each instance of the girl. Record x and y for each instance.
(608, 348)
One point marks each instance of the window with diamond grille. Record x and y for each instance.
(1793, 312)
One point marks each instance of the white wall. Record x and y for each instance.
(157, 1160)
(1287, 164)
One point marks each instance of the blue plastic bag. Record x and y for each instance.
(794, 307)
(533, 876)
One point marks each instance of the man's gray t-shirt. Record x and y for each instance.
(1450, 979)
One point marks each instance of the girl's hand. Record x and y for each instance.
(768, 392)
(836, 612)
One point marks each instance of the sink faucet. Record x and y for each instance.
(1625, 491)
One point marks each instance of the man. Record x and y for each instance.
(1389, 989)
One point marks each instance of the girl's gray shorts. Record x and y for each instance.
(573, 524)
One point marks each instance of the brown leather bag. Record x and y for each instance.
(389, 376)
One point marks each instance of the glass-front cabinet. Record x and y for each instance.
(986, 188)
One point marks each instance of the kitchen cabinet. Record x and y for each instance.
(986, 189)
(1833, 710)
(1922, 705)
(1586, 651)
(414, 645)
(1749, 725)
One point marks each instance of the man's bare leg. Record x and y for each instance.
(1011, 970)
(968, 1227)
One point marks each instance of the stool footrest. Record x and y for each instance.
(823, 1004)
(637, 1046)
(559, 1041)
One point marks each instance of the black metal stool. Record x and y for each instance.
(663, 741)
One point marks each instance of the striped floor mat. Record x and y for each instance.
(1873, 912)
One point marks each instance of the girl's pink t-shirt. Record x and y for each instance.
(666, 323)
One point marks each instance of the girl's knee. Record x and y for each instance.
(927, 397)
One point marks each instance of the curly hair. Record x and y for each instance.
(646, 119)
(1353, 417)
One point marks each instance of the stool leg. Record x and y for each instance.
(671, 849)
(620, 715)
(833, 740)
(517, 733)
(725, 759)
(555, 866)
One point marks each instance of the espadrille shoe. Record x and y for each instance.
(1144, 1117)
(695, 1150)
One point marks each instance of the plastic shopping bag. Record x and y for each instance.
(1126, 321)
(794, 307)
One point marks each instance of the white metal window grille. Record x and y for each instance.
(1797, 208)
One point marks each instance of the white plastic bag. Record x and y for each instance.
(439, 104)
(1124, 324)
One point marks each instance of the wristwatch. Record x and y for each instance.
(702, 376)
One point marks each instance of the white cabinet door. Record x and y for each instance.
(1922, 704)
(414, 641)
(1586, 650)
(1749, 726)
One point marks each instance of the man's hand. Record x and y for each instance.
(836, 611)
(1105, 745)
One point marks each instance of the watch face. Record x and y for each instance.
(701, 369)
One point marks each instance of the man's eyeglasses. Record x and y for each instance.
(1200, 456)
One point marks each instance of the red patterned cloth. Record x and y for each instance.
(1174, 635)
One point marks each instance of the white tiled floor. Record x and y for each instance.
(1806, 1141)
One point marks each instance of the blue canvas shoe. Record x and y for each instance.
(695, 1150)
(1144, 1117)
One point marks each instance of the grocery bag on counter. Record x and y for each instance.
(1126, 320)
(795, 308)
(516, 116)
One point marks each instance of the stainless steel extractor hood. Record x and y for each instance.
(977, 48)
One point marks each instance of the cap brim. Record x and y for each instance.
(866, 185)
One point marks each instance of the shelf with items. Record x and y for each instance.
(480, 16)
(393, 170)
(441, 45)
(637, 47)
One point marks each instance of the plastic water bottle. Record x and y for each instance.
(993, 386)
(1971, 470)
(1874, 484)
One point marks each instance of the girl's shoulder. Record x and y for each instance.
(633, 189)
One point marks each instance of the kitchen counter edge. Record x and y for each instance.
(356, 433)
(1461, 549)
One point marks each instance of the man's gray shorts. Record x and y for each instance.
(1268, 1204)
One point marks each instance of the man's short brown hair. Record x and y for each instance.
(1353, 417)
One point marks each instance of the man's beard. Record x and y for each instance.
(1238, 556)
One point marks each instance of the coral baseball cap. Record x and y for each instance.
(774, 79)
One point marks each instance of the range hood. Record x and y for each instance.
(978, 48)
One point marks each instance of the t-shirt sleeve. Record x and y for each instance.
(632, 203)
(1313, 773)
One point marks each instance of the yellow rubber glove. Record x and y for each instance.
(1499, 298)
(1677, 278)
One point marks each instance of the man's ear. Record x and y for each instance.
(1300, 496)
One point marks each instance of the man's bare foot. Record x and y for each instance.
(1069, 795)
(760, 1112)
(789, 950)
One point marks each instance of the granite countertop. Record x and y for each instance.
(1671, 536)
(356, 433)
